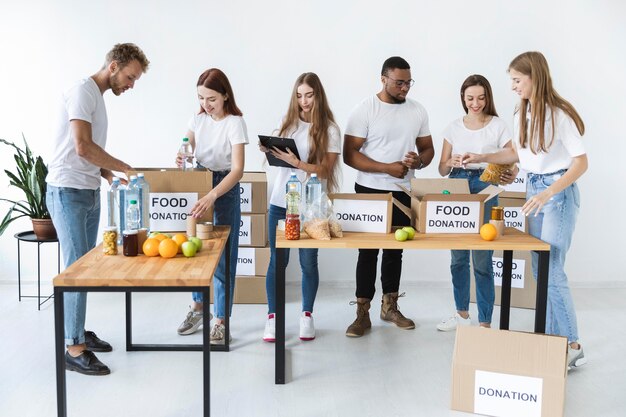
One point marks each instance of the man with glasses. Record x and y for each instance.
(382, 136)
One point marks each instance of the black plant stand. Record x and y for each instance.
(31, 237)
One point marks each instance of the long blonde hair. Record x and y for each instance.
(321, 120)
(543, 96)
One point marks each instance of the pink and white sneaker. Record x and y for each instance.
(307, 327)
(270, 329)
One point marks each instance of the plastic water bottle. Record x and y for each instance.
(113, 218)
(122, 202)
(292, 219)
(144, 200)
(186, 153)
(133, 216)
(293, 179)
(313, 196)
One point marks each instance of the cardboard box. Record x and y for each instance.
(248, 290)
(513, 216)
(364, 212)
(253, 230)
(523, 284)
(457, 212)
(253, 261)
(508, 374)
(173, 193)
(253, 191)
(517, 189)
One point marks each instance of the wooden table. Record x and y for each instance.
(510, 241)
(96, 272)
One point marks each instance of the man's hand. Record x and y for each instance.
(412, 161)
(397, 169)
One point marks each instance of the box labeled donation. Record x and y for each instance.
(252, 230)
(508, 374)
(173, 193)
(446, 206)
(253, 192)
(513, 216)
(363, 212)
(253, 261)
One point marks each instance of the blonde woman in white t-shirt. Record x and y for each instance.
(548, 145)
(310, 122)
(479, 131)
(218, 135)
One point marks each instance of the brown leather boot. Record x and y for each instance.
(389, 311)
(362, 322)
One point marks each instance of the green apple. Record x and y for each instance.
(189, 249)
(410, 231)
(196, 241)
(401, 235)
(153, 234)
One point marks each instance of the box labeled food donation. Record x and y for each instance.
(363, 212)
(508, 374)
(513, 216)
(445, 205)
(253, 192)
(517, 189)
(173, 193)
(253, 230)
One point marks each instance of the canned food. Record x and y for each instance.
(497, 213)
(109, 240)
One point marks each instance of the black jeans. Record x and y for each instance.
(391, 266)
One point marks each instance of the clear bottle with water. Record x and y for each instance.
(122, 203)
(133, 216)
(144, 200)
(113, 205)
(293, 179)
(313, 197)
(186, 153)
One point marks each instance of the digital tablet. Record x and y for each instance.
(280, 143)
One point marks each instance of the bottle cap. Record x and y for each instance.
(140, 175)
(133, 177)
(130, 232)
(445, 192)
(185, 139)
(133, 201)
(110, 229)
(115, 179)
(314, 175)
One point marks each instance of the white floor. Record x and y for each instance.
(389, 372)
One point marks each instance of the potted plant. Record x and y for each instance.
(30, 177)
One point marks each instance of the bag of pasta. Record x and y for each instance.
(492, 173)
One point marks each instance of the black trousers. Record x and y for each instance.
(391, 265)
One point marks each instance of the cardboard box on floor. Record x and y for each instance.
(523, 284)
(253, 230)
(364, 212)
(248, 290)
(173, 193)
(508, 374)
(253, 192)
(458, 212)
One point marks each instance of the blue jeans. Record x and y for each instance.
(481, 259)
(226, 211)
(75, 214)
(555, 225)
(308, 264)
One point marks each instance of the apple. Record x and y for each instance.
(189, 249)
(410, 231)
(401, 235)
(153, 234)
(197, 241)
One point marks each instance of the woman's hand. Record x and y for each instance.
(263, 148)
(472, 158)
(288, 156)
(509, 176)
(179, 160)
(455, 161)
(536, 202)
(203, 205)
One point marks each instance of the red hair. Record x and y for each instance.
(214, 79)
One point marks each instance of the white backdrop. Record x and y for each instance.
(263, 46)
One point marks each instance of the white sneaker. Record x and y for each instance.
(269, 335)
(575, 357)
(450, 324)
(307, 327)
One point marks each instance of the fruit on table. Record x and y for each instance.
(197, 242)
(168, 248)
(410, 231)
(179, 238)
(189, 249)
(401, 235)
(151, 247)
(488, 231)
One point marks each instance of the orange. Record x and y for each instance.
(151, 247)
(488, 231)
(179, 238)
(168, 248)
(160, 237)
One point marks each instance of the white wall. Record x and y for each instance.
(264, 46)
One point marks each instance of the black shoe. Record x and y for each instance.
(94, 344)
(86, 363)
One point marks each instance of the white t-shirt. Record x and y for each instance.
(301, 137)
(215, 139)
(390, 131)
(567, 145)
(83, 101)
(488, 139)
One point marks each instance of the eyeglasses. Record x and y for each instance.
(400, 83)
